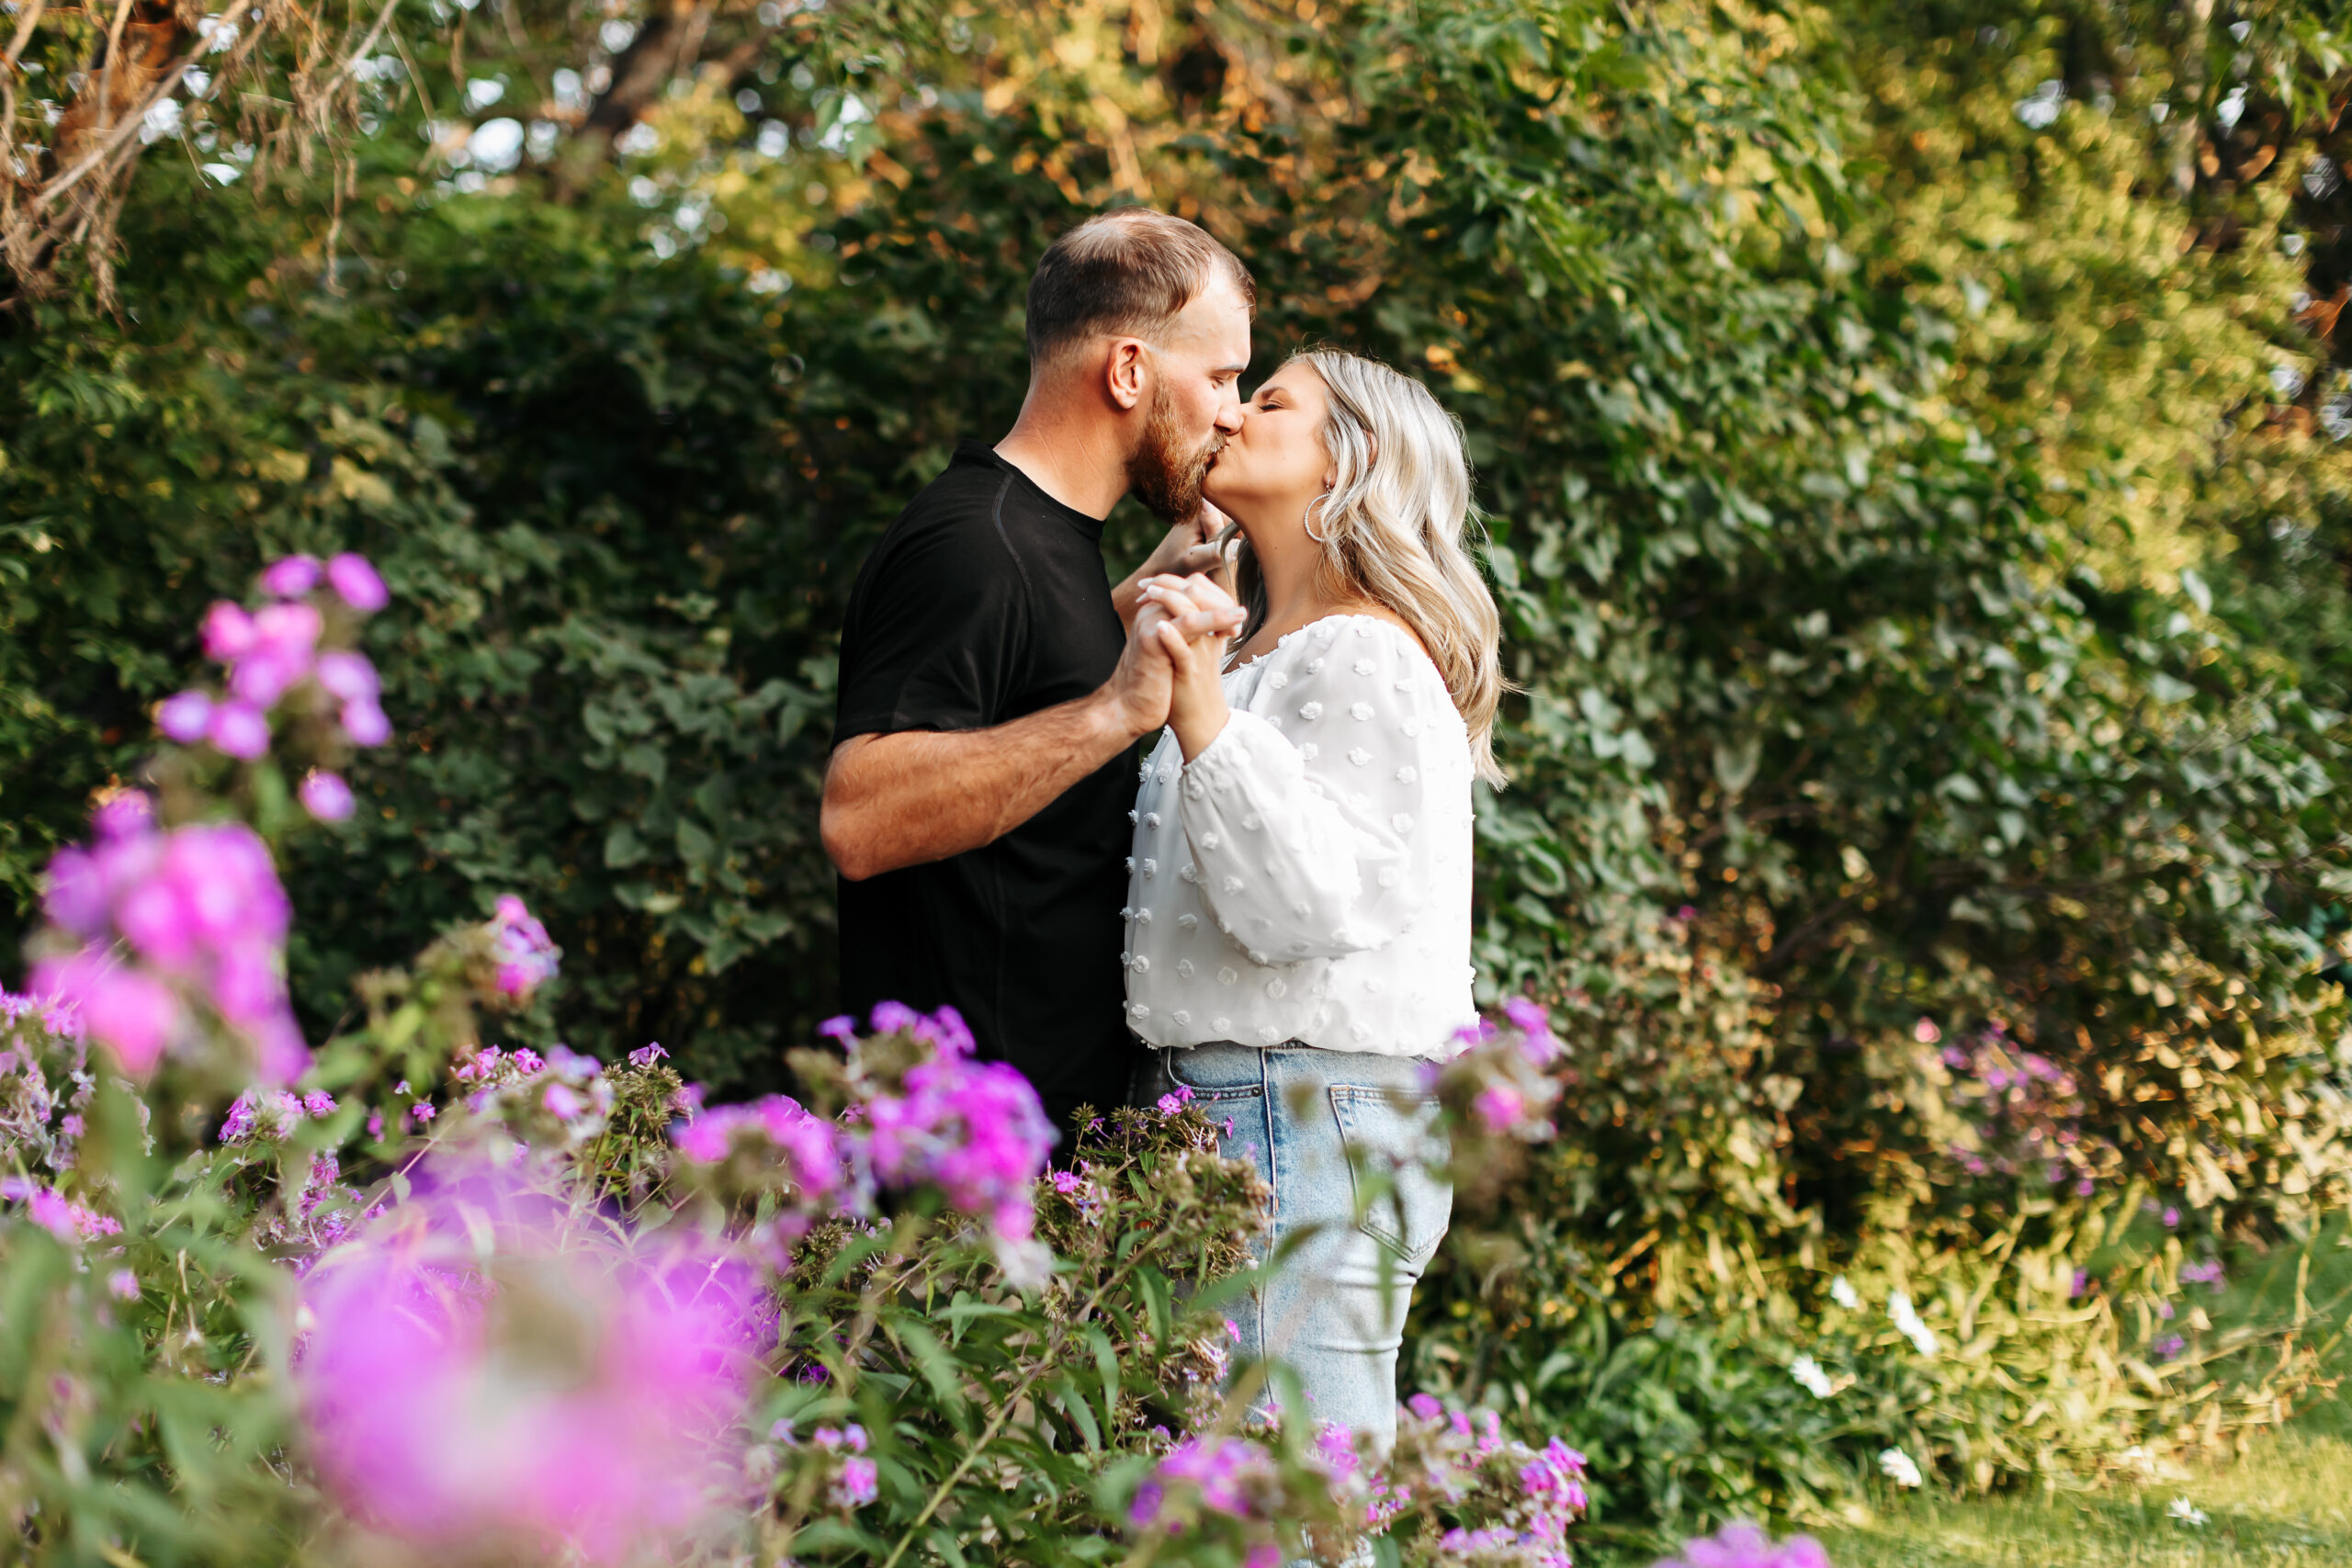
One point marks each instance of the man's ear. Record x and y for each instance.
(1124, 373)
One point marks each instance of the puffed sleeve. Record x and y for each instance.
(1306, 825)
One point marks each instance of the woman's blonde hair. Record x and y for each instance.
(1391, 527)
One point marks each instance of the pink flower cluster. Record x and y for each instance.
(525, 955)
(1520, 1501)
(488, 1363)
(1746, 1546)
(160, 917)
(56, 1213)
(1231, 1476)
(267, 653)
(974, 1131)
(811, 1150)
(270, 1115)
(1499, 1084)
(2025, 1113)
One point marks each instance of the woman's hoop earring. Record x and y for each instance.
(1306, 520)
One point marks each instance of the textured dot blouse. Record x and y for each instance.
(1307, 878)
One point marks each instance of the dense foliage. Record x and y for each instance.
(1924, 570)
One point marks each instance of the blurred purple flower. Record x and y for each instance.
(347, 676)
(186, 717)
(356, 580)
(123, 1285)
(2171, 1345)
(855, 1488)
(1746, 1546)
(365, 723)
(240, 729)
(1499, 1107)
(291, 577)
(526, 955)
(132, 1013)
(56, 1213)
(325, 796)
(228, 632)
(2209, 1272)
(488, 1361)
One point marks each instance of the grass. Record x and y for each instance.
(2288, 1504)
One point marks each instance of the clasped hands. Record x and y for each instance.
(1183, 627)
(1182, 619)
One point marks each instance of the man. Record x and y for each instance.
(976, 803)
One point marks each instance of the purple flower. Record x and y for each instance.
(285, 637)
(1745, 1546)
(444, 1409)
(2171, 1345)
(228, 632)
(1499, 1107)
(354, 579)
(347, 676)
(365, 723)
(291, 577)
(239, 729)
(527, 956)
(855, 1487)
(809, 1149)
(975, 1130)
(843, 1029)
(2209, 1272)
(186, 717)
(1169, 1105)
(1068, 1181)
(127, 1010)
(890, 1018)
(123, 1285)
(646, 1055)
(325, 796)
(1221, 1469)
(319, 1103)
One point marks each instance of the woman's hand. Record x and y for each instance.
(1196, 710)
(1188, 548)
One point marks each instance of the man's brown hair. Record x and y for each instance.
(1126, 273)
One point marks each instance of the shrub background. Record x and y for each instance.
(1916, 520)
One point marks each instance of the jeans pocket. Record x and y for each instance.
(1395, 1154)
(1215, 1075)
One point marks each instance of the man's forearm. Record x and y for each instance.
(905, 799)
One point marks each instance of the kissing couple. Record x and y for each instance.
(1276, 917)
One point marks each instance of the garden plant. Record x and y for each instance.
(1909, 442)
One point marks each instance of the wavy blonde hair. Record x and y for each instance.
(1392, 527)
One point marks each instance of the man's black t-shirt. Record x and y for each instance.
(987, 601)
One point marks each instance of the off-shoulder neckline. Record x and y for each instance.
(1288, 638)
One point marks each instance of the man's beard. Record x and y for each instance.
(1163, 471)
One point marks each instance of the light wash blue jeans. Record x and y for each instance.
(1348, 1143)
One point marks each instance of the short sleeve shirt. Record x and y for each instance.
(987, 601)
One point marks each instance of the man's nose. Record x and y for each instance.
(1229, 416)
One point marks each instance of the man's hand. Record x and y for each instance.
(904, 799)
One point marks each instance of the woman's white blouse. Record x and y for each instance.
(1306, 877)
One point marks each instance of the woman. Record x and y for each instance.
(1299, 921)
